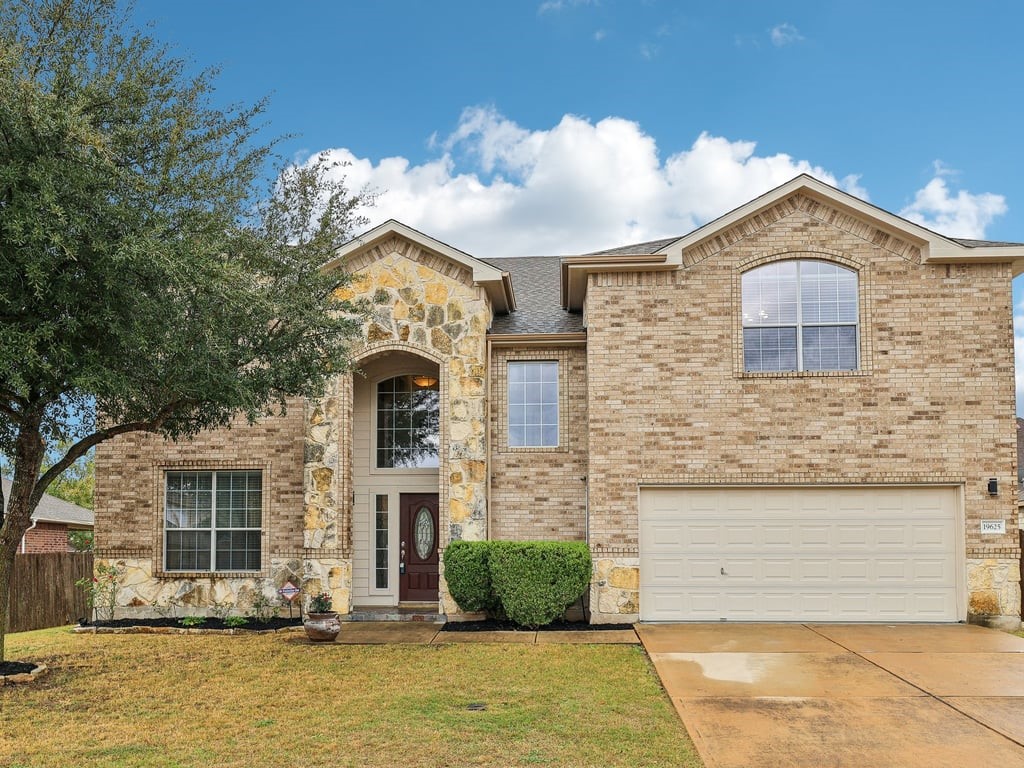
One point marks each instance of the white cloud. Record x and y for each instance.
(649, 50)
(499, 189)
(600, 35)
(784, 34)
(553, 6)
(960, 215)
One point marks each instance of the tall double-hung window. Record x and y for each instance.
(213, 521)
(533, 404)
(800, 316)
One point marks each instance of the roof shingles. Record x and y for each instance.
(537, 283)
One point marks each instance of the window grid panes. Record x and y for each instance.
(213, 521)
(533, 404)
(800, 316)
(408, 423)
(380, 527)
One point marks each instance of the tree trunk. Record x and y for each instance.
(24, 496)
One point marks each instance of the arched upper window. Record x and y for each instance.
(408, 422)
(800, 316)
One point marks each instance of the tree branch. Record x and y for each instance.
(79, 449)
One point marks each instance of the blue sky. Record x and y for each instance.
(559, 126)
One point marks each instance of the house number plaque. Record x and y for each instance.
(993, 526)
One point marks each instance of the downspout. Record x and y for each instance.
(25, 535)
(487, 437)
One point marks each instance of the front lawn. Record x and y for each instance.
(203, 701)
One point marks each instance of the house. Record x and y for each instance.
(52, 521)
(803, 410)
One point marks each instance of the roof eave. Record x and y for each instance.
(495, 282)
(576, 269)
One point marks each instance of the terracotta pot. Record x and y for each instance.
(322, 627)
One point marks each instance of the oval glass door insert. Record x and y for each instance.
(424, 533)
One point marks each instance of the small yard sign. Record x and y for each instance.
(993, 526)
(289, 592)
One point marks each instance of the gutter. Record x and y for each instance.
(536, 340)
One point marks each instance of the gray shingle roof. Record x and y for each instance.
(968, 243)
(637, 249)
(54, 510)
(537, 282)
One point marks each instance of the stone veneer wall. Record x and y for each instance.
(933, 401)
(421, 304)
(426, 305)
(540, 493)
(129, 511)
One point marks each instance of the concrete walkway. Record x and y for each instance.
(423, 633)
(759, 695)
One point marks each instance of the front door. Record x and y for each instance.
(418, 547)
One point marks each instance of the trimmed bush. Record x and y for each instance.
(536, 581)
(467, 571)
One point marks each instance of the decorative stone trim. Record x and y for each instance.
(143, 630)
(615, 590)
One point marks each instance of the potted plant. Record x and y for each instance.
(322, 625)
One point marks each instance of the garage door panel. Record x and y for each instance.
(829, 554)
(815, 535)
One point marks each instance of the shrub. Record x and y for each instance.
(537, 580)
(235, 621)
(468, 575)
(101, 589)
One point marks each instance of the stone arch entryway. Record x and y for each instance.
(395, 464)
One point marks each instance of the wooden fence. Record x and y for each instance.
(43, 591)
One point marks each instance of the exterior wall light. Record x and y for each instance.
(993, 487)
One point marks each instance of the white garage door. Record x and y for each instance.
(798, 554)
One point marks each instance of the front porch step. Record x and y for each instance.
(402, 612)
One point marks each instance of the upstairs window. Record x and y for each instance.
(408, 422)
(800, 316)
(533, 404)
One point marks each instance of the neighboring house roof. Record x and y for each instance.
(538, 308)
(54, 510)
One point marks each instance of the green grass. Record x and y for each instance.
(141, 701)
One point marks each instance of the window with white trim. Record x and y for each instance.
(408, 422)
(213, 521)
(800, 316)
(533, 404)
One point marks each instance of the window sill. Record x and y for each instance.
(801, 374)
(534, 449)
(209, 574)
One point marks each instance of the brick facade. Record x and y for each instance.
(656, 393)
(932, 402)
(540, 493)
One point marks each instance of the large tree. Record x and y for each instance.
(148, 282)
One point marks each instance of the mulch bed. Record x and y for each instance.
(495, 625)
(15, 668)
(210, 623)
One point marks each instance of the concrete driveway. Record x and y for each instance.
(757, 695)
